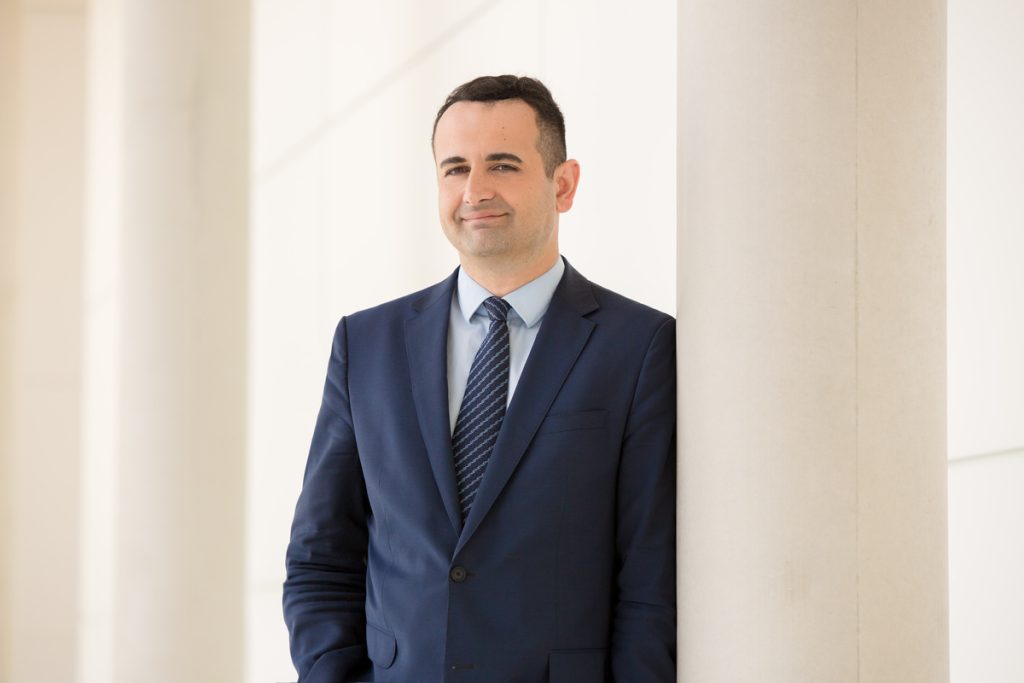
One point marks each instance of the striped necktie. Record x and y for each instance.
(483, 405)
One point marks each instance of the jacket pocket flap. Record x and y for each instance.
(380, 646)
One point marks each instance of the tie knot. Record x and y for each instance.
(497, 308)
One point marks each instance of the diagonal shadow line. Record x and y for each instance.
(331, 121)
(961, 459)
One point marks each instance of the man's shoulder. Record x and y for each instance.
(604, 303)
(618, 304)
(409, 304)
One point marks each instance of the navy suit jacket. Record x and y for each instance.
(564, 570)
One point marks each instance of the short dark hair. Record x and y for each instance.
(550, 122)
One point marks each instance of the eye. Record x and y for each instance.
(457, 170)
(505, 168)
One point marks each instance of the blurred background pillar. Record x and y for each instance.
(182, 254)
(811, 267)
(42, 147)
(10, 24)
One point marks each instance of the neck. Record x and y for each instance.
(499, 281)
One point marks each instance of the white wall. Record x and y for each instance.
(344, 210)
(986, 338)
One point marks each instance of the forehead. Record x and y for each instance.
(505, 125)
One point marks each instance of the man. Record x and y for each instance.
(489, 495)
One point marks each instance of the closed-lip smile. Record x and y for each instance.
(482, 215)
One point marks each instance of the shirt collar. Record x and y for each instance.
(529, 302)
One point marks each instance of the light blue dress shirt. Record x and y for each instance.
(468, 324)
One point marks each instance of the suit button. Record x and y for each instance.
(458, 574)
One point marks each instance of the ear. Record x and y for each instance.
(567, 179)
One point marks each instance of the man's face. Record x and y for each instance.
(497, 206)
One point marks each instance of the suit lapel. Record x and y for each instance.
(426, 343)
(563, 334)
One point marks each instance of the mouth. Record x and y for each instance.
(482, 218)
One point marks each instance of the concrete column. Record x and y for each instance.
(178, 612)
(812, 341)
(42, 145)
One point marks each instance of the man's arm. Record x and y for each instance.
(325, 589)
(644, 628)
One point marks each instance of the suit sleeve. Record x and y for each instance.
(644, 627)
(325, 588)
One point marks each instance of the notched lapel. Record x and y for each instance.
(563, 334)
(426, 343)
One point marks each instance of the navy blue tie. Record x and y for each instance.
(483, 405)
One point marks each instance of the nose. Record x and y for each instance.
(478, 187)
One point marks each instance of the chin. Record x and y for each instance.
(485, 248)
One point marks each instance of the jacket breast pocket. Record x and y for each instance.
(568, 422)
(577, 666)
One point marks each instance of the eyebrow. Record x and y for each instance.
(504, 156)
(496, 156)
